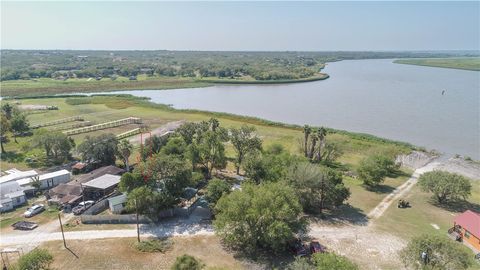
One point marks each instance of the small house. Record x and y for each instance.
(83, 178)
(64, 194)
(11, 196)
(79, 167)
(101, 186)
(117, 203)
(467, 226)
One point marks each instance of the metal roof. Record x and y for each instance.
(104, 181)
(53, 174)
(15, 174)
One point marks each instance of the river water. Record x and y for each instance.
(395, 101)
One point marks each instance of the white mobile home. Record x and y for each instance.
(11, 196)
(47, 181)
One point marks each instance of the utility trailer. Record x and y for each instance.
(24, 225)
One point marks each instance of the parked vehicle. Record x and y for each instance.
(297, 248)
(82, 207)
(316, 247)
(35, 209)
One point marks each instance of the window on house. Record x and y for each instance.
(467, 234)
(18, 200)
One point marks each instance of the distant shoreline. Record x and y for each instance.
(464, 63)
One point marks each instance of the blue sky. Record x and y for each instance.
(312, 26)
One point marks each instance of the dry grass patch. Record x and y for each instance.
(121, 254)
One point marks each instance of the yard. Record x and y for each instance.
(8, 218)
(120, 254)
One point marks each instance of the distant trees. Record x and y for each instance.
(445, 186)
(100, 150)
(317, 188)
(373, 169)
(262, 216)
(439, 253)
(244, 142)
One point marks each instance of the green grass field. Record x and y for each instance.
(468, 63)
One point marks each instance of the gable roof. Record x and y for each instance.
(470, 221)
(66, 189)
(104, 181)
(99, 172)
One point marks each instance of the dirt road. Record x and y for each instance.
(160, 131)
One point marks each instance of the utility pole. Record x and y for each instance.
(61, 227)
(83, 196)
(138, 230)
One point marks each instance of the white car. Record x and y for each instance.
(32, 211)
(81, 207)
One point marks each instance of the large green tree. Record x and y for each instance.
(262, 216)
(445, 186)
(208, 152)
(244, 141)
(318, 188)
(19, 124)
(4, 128)
(57, 145)
(441, 253)
(100, 150)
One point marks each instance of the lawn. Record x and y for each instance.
(468, 63)
(121, 254)
(418, 219)
(8, 218)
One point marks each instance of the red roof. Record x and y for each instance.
(470, 221)
(79, 166)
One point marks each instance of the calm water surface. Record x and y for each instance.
(400, 102)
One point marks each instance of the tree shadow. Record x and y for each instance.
(397, 173)
(12, 157)
(457, 206)
(345, 214)
(381, 188)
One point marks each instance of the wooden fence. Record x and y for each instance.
(59, 121)
(111, 124)
(129, 133)
(72, 126)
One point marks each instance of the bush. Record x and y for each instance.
(215, 189)
(154, 245)
(36, 259)
(332, 261)
(373, 169)
(187, 262)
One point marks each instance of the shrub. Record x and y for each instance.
(187, 262)
(36, 259)
(154, 245)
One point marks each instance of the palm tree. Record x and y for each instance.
(322, 133)
(124, 151)
(306, 131)
(314, 137)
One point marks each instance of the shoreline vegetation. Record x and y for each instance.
(464, 63)
(130, 100)
(45, 86)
